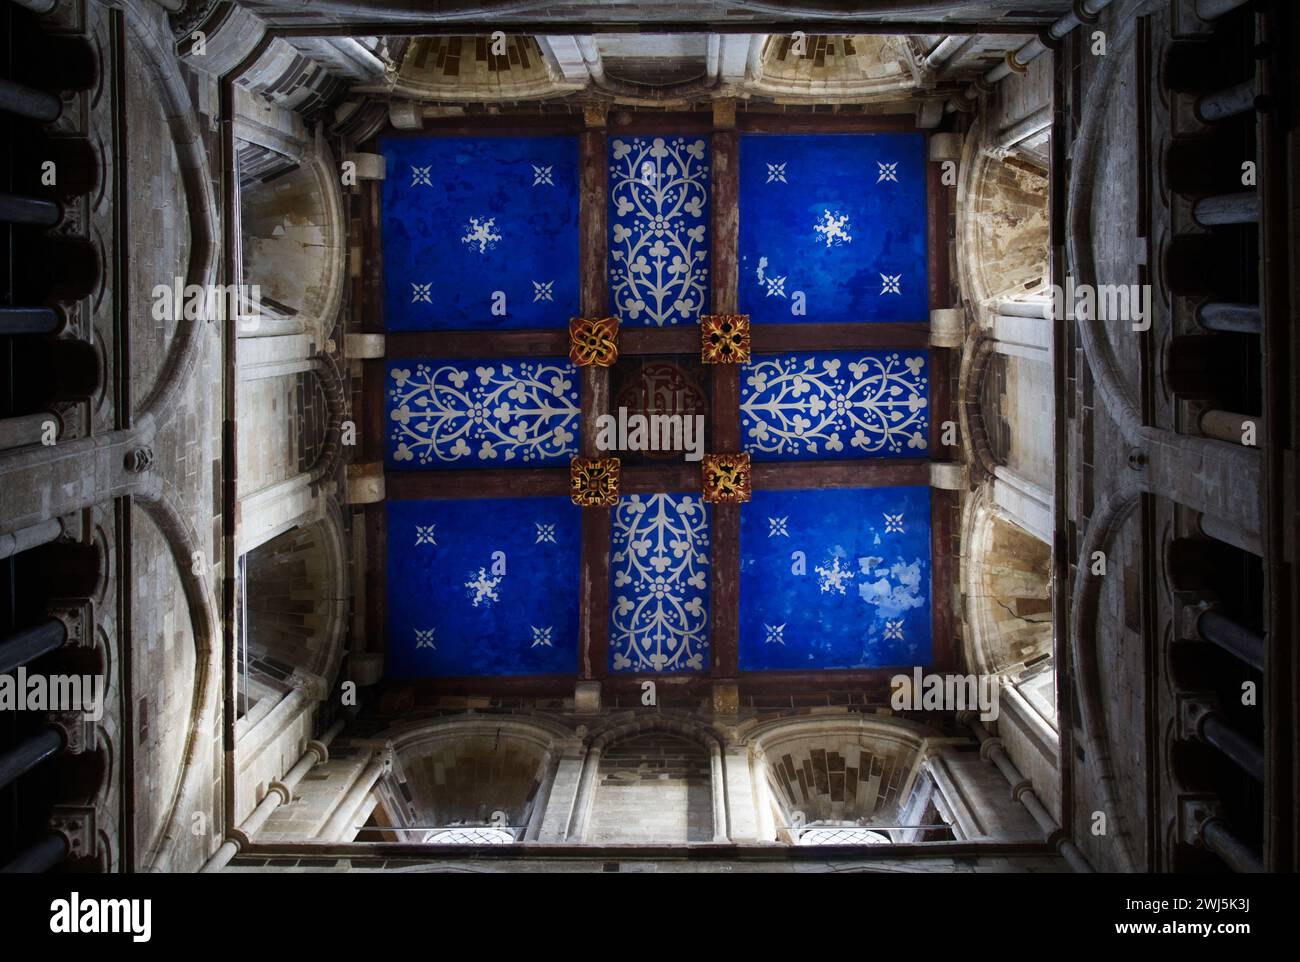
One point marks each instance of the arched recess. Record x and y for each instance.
(1005, 578)
(840, 772)
(294, 248)
(652, 780)
(470, 780)
(857, 67)
(292, 616)
(1002, 226)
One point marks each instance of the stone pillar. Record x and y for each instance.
(273, 511)
(24, 539)
(1224, 209)
(29, 320)
(1231, 427)
(341, 826)
(1024, 502)
(742, 816)
(718, 790)
(28, 102)
(28, 644)
(27, 754)
(545, 776)
(39, 857)
(17, 209)
(278, 793)
(28, 429)
(1024, 329)
(966, 824)
(563, 794)
(586, 796)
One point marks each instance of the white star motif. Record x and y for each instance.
(542, 175)
(545, 532)
(894, 630)
(776, 286)
(775, 634)
(542, 291)
(424, 639)
(424, 534)
(776, 172)
(891, 283)
(481, 233)
(834, 577)
(894, 523)
(834, 228)
(541, 637)
(421, 292)
(888, 172)
(421, 176)
(483, 587)
(776, 527)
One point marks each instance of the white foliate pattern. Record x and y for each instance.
(659, 565)
(659, 249)
(424, 534)
(774, 634)
(498, 412)
(891, 283)
(424, 638)
(541, 637)
(794, 406)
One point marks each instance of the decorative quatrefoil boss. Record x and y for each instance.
(726, 478)
(593, 341)
(724, 338)
(593, 482)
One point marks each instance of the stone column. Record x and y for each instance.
(741, 813)
(563, 793)
(586, 796)
(341, 825)
(278, 793)
(1025, 503)
(718, 789)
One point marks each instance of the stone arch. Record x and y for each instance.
(975, 359)
(200, 201)
(1005, 573)
(833, 770)
(1002, 226)
(462, 771)
(294, 248)
(194, 766)
(653, 780)
(858, 67)
(294, 609)
(703, 735)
